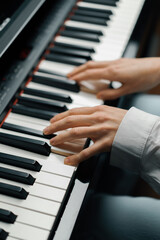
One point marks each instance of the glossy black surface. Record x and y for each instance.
(13, 191)
(25, 163)
(7, 216)
(28, 144)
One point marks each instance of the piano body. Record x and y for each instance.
(41, 41)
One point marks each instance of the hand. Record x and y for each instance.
(135, 75)
(98, 123)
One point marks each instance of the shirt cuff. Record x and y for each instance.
(130, 139)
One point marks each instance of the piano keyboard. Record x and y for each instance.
(34, 180)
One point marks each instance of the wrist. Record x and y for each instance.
(156, 67)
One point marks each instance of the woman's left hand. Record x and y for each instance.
(99, 123)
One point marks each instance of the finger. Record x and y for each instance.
(75, 159)
(80, 141)
(91, 74)
(72, 147)
(74, 111)
(68, 122)
(74, 133)
(88, 65)
(110, 94)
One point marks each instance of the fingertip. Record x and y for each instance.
(70, 78)
(71, 161)
(52, 142)
(99, 96)
(69, 75)
(46, 131)
(67, 161)
(51, 120)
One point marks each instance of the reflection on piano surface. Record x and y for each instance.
(35, 185)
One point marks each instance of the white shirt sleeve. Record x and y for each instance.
(136, 146)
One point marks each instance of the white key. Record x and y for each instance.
(28, 217)
(55, 158)
(68, 105)
(34, 204)
(25, 232)
(72, 23)
(33, 137)
(49, 164)
(20, 117)
(39, 190)
(48, 179)
(98, 6)
(18, 122)
(11, 238)
(85, 99)
(82, 98)
(72, 41)
(117, 34)
(55, 67)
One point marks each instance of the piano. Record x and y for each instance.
(40, 42)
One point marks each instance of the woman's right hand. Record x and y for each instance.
(135, 75)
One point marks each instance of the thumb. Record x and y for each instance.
(111, 94)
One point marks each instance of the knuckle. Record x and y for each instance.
(55, 126)
(90, 64)
(101, 117)
(113, 70)
(71, 112)
(97, 108)
(103, 129)
(87, 72)
(75, 132)
(100, 108)
(69, 120)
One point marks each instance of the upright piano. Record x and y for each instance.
(40, 42)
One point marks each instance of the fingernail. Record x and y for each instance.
(52, 142)
(51, 120)
(67, 161)
(46, 131)
(99, 97)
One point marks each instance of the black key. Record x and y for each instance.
(79, 48)
(85, 30)
(103, 2)
(56, 81)
(13, 191)
(26, 130)
(91, 20)
(32, 145)
(80, 35)
(91, 13)
(50, 95)
(33, 112)
(3, 234)
(17, 176)
(20, 162)
(106, 11)
(41, 104)
(71, 52)
(65, 59)
(7, 216)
